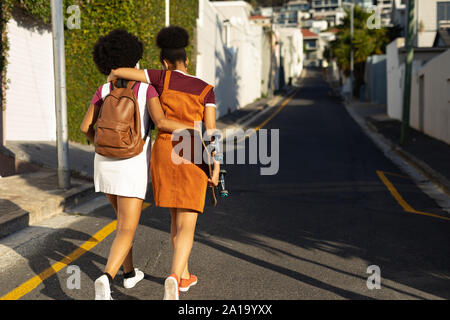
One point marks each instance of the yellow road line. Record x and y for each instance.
(402, 201)
(31, 284)
(145, 205)
(281, 107)
(396, 175)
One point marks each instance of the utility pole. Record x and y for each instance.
(59, 64)
(408, 72)
(271, 75)
(2, 115)
(167, 13)
(352, 17)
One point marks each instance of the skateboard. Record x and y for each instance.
(210, 169)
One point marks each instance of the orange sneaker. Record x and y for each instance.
(185, 284)
(171, 285)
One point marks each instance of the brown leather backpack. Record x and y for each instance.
(118, 127)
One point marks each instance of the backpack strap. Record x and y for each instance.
(106, 89)
(142, 99)
(167, 80)
(120, 83)
(131, 84)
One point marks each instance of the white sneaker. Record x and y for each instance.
(102, 288)
(131, 282)
(171, 288)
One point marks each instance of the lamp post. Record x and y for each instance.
(408, 70)
(352, 17)
(60, 94)
(167, 13)
(271, 76)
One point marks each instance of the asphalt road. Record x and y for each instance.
(308, 232)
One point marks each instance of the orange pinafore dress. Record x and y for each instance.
(178, 185)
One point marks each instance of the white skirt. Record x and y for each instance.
(123, 177)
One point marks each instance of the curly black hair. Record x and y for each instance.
(172, 37)
(117, 49)
(172, 41)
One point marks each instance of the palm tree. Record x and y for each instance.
(366, 42)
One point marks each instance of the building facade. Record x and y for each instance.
(385, 10)
(311, 41)
(291, 54)
(430, 15)
(430, 91)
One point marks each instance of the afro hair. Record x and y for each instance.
(172, 41)
(172, 37)
(117, 49)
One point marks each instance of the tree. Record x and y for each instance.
(366, 42)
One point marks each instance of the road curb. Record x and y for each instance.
(420, 165)
(423, 176)
(387, 145)
(16, 215)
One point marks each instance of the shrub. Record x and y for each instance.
(144, 18)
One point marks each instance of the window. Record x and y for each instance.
(443, 12)
(310, 44)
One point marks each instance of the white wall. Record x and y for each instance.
(229, 54)
(30, 101)
(265, 63)
(292, 52)
(426, 16)
(425, 12)
(395, 79)
(209, 39)
(276, 58)
(245, 45)
(433, 116)
(430, 101)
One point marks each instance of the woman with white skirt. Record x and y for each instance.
(124, 181)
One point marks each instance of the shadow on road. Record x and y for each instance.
(326, 210)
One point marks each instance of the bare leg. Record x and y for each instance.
(113, 200)
(128, 214)
(173, 234)
(182, 232)
(128, 262)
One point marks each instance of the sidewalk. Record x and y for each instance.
(44, 154)
(29, 198)
(29, 191)
(425, 153)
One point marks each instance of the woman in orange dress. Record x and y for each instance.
(178, 185)
(124, 181)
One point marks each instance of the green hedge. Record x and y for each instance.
(143, 18)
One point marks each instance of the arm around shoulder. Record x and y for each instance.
(128, 74)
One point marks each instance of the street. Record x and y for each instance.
(309, 232)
